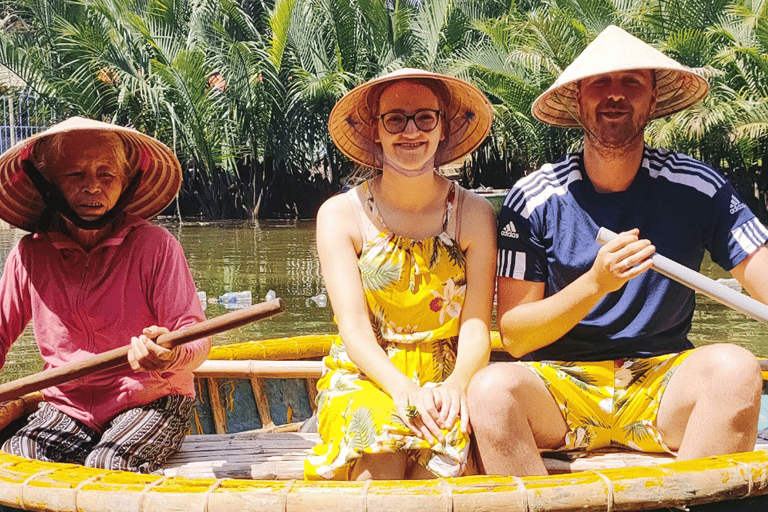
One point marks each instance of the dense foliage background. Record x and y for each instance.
(242, 89)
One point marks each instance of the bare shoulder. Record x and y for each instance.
(478, 218)
(335, 207)
(478, 204)
(336, 219)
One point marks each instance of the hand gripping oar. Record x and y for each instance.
(697, 282)
(118, 356)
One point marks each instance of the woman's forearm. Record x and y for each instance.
(473, 352)
(364, 351)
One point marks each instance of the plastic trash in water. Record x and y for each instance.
(271, 295)
(203, 300)
(234, 300)
(320, 300)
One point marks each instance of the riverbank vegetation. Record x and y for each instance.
(242, 89)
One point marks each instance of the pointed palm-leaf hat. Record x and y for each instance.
(613, 50)
(352, 123)
(21, 204)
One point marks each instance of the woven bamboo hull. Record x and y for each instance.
(34, 485)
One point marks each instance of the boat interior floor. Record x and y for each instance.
(280, 456)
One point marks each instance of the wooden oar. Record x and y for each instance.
(700, 283)
(118, 356)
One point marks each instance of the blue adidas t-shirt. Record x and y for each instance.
(547, 230)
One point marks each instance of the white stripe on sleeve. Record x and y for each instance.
(519, 272)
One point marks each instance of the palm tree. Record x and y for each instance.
(242, 89)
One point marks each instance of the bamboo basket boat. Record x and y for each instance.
(247, 445)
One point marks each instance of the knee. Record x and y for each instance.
(733, 370)
(498, 386)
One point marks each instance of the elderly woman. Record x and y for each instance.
(93, 275)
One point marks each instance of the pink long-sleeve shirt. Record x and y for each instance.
(84, 303)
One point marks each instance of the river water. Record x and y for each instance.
(280, 256)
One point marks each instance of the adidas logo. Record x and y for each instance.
(736, 205)
(509, 231)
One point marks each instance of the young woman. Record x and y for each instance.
(408, 260)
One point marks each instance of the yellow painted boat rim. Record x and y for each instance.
(740, 475)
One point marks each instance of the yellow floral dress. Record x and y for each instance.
(415, 292)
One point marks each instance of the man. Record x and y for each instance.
(626, 374)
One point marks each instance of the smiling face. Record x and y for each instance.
(614, 108)
(90, 171)
(412, 151)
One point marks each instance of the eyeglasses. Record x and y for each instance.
(425, 120)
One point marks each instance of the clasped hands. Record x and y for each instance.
(146, 355)
(432, 408)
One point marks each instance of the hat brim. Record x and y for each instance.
(469, 115)
(678, 86)
(21, 204)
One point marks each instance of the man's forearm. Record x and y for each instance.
(532, 325)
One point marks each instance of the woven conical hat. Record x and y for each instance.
(21, 203)
(468, 113)
(616, 50)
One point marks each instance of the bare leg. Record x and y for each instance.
(381, 466)
(513, 415)
(419, 472)
(712, 403)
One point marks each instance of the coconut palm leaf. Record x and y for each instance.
(455, 254)
(594, 422)
(397, 420)
(378, 276)
(361, 431)
(444, 356)
(336, 350)
(343, 387)
(576, 374)
(378, 319)
(638, 369)
(636, 431)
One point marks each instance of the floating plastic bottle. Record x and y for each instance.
(320, 300)
(203, 300)
(270, 295)
(234, 300)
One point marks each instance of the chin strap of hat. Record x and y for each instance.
(56, 203)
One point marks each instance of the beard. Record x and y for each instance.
(611, 135)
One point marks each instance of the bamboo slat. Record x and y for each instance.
(248, 369)
(296, 347)
(217, 408)
(282, 456)
(312, 394)
(262, 402)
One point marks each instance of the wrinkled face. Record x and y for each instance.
(614, 108)
(88, 173)
(412, 151)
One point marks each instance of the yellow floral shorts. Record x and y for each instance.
(610, 403)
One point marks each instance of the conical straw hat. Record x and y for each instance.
(21, 203)
(468, 113)
(616, 50)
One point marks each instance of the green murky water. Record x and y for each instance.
(280, 256)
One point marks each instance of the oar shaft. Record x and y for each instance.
(692, 279)
(118, 356)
